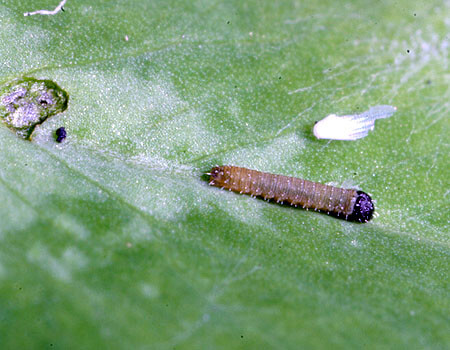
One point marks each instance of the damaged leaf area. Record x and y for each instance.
(28, 102)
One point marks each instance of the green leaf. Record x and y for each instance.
(113, 238)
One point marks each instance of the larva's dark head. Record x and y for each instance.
(363, 209)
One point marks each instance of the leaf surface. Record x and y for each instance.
(113, 238)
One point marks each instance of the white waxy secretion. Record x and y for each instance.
(351, 127)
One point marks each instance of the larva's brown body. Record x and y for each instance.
(346, 203)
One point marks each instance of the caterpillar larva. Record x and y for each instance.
(349, 204)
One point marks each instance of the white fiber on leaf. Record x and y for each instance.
(47, 12)
(351, 127)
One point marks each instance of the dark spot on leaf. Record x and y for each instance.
(60, 134)
(228, 22)
(407, 51)
(45, 99)
(27, 102)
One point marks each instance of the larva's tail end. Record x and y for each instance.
(215, 176)
(363, 209)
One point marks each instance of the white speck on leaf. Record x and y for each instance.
(149, 291)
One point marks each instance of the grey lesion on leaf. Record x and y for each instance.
(28, 102)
